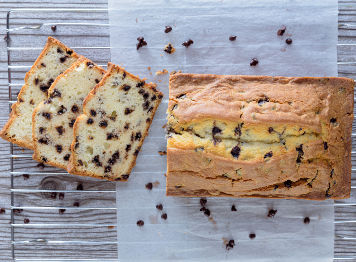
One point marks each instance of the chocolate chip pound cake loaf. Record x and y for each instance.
(53, 60)
(117, 115)
(259, 136)
(53, 119)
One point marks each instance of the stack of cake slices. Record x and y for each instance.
(77, 116)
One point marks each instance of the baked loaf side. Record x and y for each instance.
(259, 136)
(53, 119)
(53, 60)
(116, 119)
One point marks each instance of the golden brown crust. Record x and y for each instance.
(13, 114)
(323, 105)
(112, 68)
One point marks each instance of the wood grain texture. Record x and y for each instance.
(49, 238)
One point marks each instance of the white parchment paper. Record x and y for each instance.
(187, 234)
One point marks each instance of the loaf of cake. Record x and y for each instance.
(116, 117)
(53, 60)
(259, 136)
(53, 119)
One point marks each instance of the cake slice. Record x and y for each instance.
(53, 60)
(117, 115)
(53, 119)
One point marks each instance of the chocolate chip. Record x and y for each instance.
(54, 28)
(76, 204)
(168, 29)
(141, 42)
(26, 221)
(145, 95)
(230, 244)
(36, 81)
(127, 126)
(96, 161)
(252, 235)
(262, 101)
(123, 75)
(31, 102)
(43, 64)
(169, 49)
(203, 201)
(62, 110)
(63, 59)
(233, 208)
(126, 88)
(107, 169)
(60, 130)
(332, 172)
(300, 153)
(207, 212)
(103, 123)
(41, 166)
(92, 112)
(17, 210)
(55, 93)
(270, 130)
(44, 87)
(232, 37)
(306, 220)
(136, 152)
(188, 43)
(59, 148)
(140, 84)
(41, 130)
(289, 41)
(61, 211)
(114, 158)
(269, 154)
(216, 130)
(164, 216)
(110, 136)
(333, 120)
(128, 147)
(235, 152)
(59, 51)
(71, 123)
(75, 108)
(2, 210)
(159, 207)
(43, 140)
(138, 136)
(149, 186)
(272, 212)
(160, 96)
(288, 183)
(97, 81)
(253, 62)
(326, 146)
(66, 157)
(125, 176)
(69, 52)
(90, 121)
(238, 129)
(90, 64)
(80, 162)
(128, 111)
(282, 30)
(140, 223)
(162, 153)
(80, 187)
(153, 98)
(26, 176)
(148, 120)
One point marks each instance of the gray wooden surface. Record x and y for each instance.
(89, 231)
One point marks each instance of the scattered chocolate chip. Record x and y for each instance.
(61, 196)
(66, 157)
(233, 208)
(149, 186)
(107, 169)
(252, 235)
(63, 59)
(43, 140)
(230, 244)
(159, 207)
(17, 210)
(326, 146)
(103, 123)
(59, 51)
(270, 130)
(62, 110)
(169, 49)
(2, 210)
(164, 216)
(46, 115)
(75, 108)
(207, 212)
(44, 159)
(203, 201)
(90, 64)
(71, 123)
(289, 41)
(272, 212)
(333, 120)
(41, 166)
(61, 211)
(168, 29)
(26, 221)
(26, 176)
(128, 111)
(141, 42)
(288, 183)
(306, 220)
(54, 28)
(128, 147)
(235, 152)
(140, 223)
(162, 153)
(254, 62)
(59, 148)
(90, 121)
(76, 204)
(232, 37)
(80, 187)
(188, 43)
(59, 129)
(282, 30)
(269, 154)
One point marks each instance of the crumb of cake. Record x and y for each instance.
(232, 37)
(149, 68)
(162, 72)
(168, 29)
(282, 30)
(175, 72)
(169, 49)
(253, 62)
(111, 227)
(141, 42)
(162, 153)
(164, 126)
(155, 184)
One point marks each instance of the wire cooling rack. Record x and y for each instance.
(57, 217)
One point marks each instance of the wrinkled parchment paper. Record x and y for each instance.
(187, 234)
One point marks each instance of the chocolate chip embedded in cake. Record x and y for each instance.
(117, 110)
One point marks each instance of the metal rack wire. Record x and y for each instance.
(22, 24)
